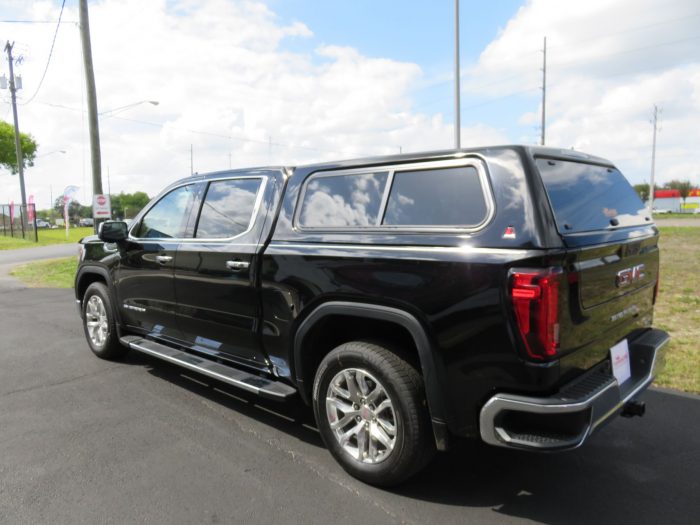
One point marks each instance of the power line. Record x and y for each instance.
(36, 22)
(632, 50)
(199, 132)
(629, 30)
(48, 61)
(567, 63)
(570, 44)
(502, 97)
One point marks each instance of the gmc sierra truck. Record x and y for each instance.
(503, 293)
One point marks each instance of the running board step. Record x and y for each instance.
(233, 376)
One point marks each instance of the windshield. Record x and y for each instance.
(587, 197)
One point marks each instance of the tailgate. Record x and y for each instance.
(611, 261)
(614, 271)
(611, 292)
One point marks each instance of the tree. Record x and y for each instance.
(74, 208)
(85, 212)
(643, 191)
(8, 151)
(127, 205)
(683, 187)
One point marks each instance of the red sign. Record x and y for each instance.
(101, 208)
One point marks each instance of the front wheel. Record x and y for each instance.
(99, 324)
(370, 409)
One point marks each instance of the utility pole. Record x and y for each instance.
(93, 122)
(457, 110)
(544, 87)
(191, 160)
(654, 123)
(18, 140)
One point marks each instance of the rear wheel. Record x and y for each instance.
(99, 324)
(370, 408)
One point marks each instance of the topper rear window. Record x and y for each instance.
(588, 197)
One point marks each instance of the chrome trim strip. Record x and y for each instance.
(385, 199)
(134, 308)
(279, 248)
(473, 160)
(498, 437)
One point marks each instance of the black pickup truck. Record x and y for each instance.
(501, 293)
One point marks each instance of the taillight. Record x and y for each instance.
(535, 296)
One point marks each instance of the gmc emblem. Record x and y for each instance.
(629, 275)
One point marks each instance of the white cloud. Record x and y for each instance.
(225, 85)
(608, 64)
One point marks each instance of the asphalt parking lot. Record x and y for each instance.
(88, 441)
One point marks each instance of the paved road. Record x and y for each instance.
(53, 251)
(89, 441)
(11, 258)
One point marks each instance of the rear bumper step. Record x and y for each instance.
(565, 420)
(233, 376)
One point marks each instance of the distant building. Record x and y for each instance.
(671, 200)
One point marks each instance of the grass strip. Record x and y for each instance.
(46, 238)
(51, 273)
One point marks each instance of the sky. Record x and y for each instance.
(286, 82)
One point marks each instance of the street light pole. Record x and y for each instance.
(652, 184)
(18, 139)
(93, 122)
(457, 110)
(111, 112)
(50, 153)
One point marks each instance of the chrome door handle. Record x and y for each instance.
(237, 266)
(163, 259)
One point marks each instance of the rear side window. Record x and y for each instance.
(586, 197)
(168, 217)
(343, 200)
(441, 197)
(227, 209)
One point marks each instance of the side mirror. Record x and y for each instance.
(113, 231)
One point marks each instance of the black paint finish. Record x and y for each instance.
(448, 290)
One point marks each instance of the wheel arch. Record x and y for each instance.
(431, 367)
(87, 275)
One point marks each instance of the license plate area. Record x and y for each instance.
(620, 361)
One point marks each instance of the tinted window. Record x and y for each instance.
(168, 218)
(440, 197)
(585, 197)
(227, 208)
(343, 200)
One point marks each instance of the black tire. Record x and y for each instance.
(403, 385)
(109, 347)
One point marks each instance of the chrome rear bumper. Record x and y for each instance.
(566, 419)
